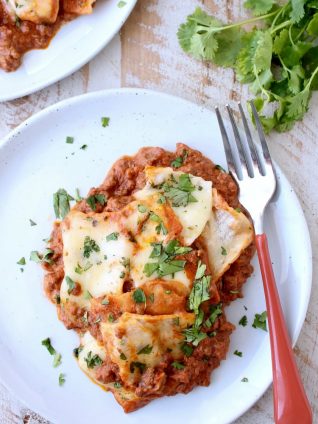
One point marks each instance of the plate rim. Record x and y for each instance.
(141, 91)
(94, 52)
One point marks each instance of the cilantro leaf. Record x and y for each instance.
(199, 293)
(61, 203)
(259, 7)
(145, 350)
(61, 379)
(243, 321)
(298, 10)
(260, 321)
(139, 296)
(93, 361)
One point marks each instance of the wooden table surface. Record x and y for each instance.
(146, 54)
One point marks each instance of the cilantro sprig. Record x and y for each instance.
(279, 59)
(199, 294)
(165, 262)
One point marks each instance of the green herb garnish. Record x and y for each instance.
(93, 361)
(61, 379)
(139, 365)
(243, 321)
(90, 246)
(61, 203)
(105, 121)
(178, 365)
(278, 59)
(96, 198)
(112, 236)
(260, 321)
(238, 353)
(70, 284)
(69, 140)
(145, 350)
(21, 261)
(139, 296)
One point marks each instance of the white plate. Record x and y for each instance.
(75, 44)
(34, 162)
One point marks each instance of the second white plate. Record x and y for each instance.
(75, 44)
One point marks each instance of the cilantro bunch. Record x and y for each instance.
(278, 57)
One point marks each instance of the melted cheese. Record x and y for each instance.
(105, 269)
(78, 7)
(89, 344)
(37, 11)
(192, 217)
(227, 233)
(127, 341)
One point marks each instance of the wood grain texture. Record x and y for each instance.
(147, 55)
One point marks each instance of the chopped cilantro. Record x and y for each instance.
(121, 4)
(260, 321)
(239, 210)
(46, 256)
(151, 297)
(179, 161)
(70, 284)
(112, 236)
(93, 361)
(96, 198)
(21, 261)
(142, 208)
(220, 168)
(61, 203)
(57, 360)
(80, 269)
(238, 353)
(105, 121)
(61, 379)
(187, 349)
(243, 321)
(139, 365)
(111, 318)
(145, 350)
(223, 251)
(48, 345)
(123, 357)
(83, 147)
(87, 295)
(139, 296)
(117, 385)
(69, 140)
(77, 351)
(178, 365)
(90, 246)
(244, 380)
(215, 310)
(32, 223)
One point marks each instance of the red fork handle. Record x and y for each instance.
(291, 405)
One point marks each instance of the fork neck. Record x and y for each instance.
(258, 224)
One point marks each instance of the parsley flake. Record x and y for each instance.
(260, 321)
(243, 321)
(139, 296)
(112, 236)
(238, 353)
(145, 350)
(105, 121)
(61, 379)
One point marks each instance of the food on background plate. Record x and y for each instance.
(31, 24)
(142, 268)
(278, 58)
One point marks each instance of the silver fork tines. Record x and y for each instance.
(254, 175)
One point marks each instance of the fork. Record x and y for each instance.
(257, 183)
